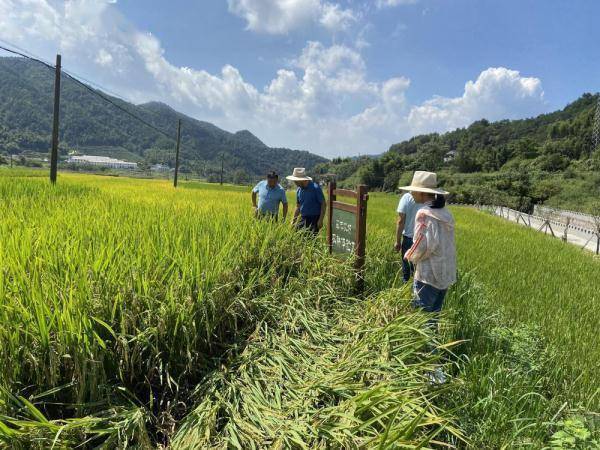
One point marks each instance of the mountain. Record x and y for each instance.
(92, 126)
(517, 163)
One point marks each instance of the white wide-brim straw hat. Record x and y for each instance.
(299, 174)
(424, 182)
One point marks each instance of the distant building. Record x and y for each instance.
(159, 168)
(450, 156)
(102, 161)
(325, 178)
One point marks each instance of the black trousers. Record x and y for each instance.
(309, 223)
(408, 268)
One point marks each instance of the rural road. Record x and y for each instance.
(576, 236)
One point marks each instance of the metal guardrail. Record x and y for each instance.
(545, 218)
(571, 225)
(579, 219)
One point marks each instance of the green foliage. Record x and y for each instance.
(507, 396)
(139, 320)
(573, 433)
(539, 150)
(141, 314)
(92, 126)
(344, 376)
(539, 281)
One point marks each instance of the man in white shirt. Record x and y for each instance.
(405, 226)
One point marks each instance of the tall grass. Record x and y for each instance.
(535, 281)
(350, 376)
(120, 298)
(543, 282)
(136, 315)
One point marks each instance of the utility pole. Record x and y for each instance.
(177, 153)
(221, 178)
(54, 152)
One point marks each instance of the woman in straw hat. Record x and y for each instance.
(433, 250)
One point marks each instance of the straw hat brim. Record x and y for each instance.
(424, 189)
(293, 178)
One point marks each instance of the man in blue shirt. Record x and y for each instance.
(270, 194)
(310, 202)
(405, 226)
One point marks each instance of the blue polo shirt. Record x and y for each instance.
(310, 199)
(409, 208)
(269, 197)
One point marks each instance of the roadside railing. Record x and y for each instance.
(559, 223)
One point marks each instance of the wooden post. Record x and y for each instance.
(588, 241)
(55, 123)
(551, 230)
(330, 198)
(360, 227)
(566, 233)
(177, 153)
(361, 232)
(221, 177)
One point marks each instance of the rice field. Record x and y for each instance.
(531, 279)
(133, 315)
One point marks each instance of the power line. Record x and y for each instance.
(48, 64)
(15, 52)
(28, 53)
(85, 86)
(148, 124)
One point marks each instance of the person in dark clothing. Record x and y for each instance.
(310, 202)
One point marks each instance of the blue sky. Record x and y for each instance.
(336, 77)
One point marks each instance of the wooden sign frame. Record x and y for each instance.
(360, 211)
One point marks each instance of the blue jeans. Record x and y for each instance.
(408, 268)
(428, 298)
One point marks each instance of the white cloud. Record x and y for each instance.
(283, 16)
(334, 18)
(323, 101)
(498, 93)
(28, 18)
(104, 58)
(390, 3)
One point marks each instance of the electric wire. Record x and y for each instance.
(24, 54)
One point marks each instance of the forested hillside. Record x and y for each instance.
(517, 163)
(92, 126)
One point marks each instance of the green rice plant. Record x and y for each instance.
(111, 286)
(534, 279)
(507, 395)
(542, 282)
(120, 298)
(353, 375)
(145, 316)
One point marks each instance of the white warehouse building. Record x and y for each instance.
(102, 161)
